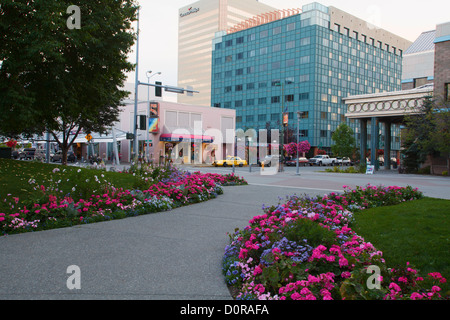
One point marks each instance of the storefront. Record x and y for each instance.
(179, 133)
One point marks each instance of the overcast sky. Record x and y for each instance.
(159, 26)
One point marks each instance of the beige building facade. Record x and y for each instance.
(198, 23)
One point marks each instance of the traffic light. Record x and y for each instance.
(142, 122)
(158, 90)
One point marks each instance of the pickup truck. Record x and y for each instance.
(322, 160)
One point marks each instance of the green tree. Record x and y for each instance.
(441, 135)
(420, 140)
(344, 141)
(62, 80)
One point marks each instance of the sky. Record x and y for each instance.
(159, 27)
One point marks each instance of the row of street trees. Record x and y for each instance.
(58, 79)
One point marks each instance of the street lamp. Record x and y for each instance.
(299, 115)
(149, 75)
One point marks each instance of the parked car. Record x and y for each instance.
(301, 162)
(322, 160)
(58, 156)
(345, 161)
(270, 160)
(229, 162)
(27, 153)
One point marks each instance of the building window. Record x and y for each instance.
(229, 58)
(323, 115)
(252, 53)
(239, 119)
(218, 46)
(304, 96)
(239, 72)
(304, 133)
(240, 56)
(304, 78)
(218, 60)
(305, 115)
(228, 74)
(276, 47)
(305, 41)
(263, 51)
(250, 86)
(251, 37)
(337, 27)
(447, 92)
(276, 30)
(262, 100)
(290, 26)
(238, 87)
(275, 99)
(250, 102)
(262, 117)
(290, 44)
(263, 34)
(240, 40)
(262, 85)
(289, 98)
(276, 65)
(228, 89)
(274, 116)
(250, 70)
(217, 105)
(290, 63)
(229, 43)
(238, 103)
(323, 133)
(305, 59)
(249, 118)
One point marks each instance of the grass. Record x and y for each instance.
(417, 232)
(15, 174)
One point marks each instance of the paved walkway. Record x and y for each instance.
(170, 255)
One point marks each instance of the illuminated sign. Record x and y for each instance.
(153, 125)
(190, 11)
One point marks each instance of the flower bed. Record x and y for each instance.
(305, 249)
(95, 199)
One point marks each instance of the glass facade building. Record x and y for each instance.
(306, 63)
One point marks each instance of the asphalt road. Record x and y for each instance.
(165, 256)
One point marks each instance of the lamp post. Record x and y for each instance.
(136, 85)
(299, 115)
(149, 75)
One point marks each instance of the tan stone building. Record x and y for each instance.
(198, 23)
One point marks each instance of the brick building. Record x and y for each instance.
(442, 61)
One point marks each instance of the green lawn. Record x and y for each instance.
(15, 176)
(417, 232)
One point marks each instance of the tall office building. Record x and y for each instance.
(198, 23)
(304, 62)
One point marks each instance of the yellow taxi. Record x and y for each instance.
(229, 162)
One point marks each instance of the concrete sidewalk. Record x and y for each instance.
(170, 255)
